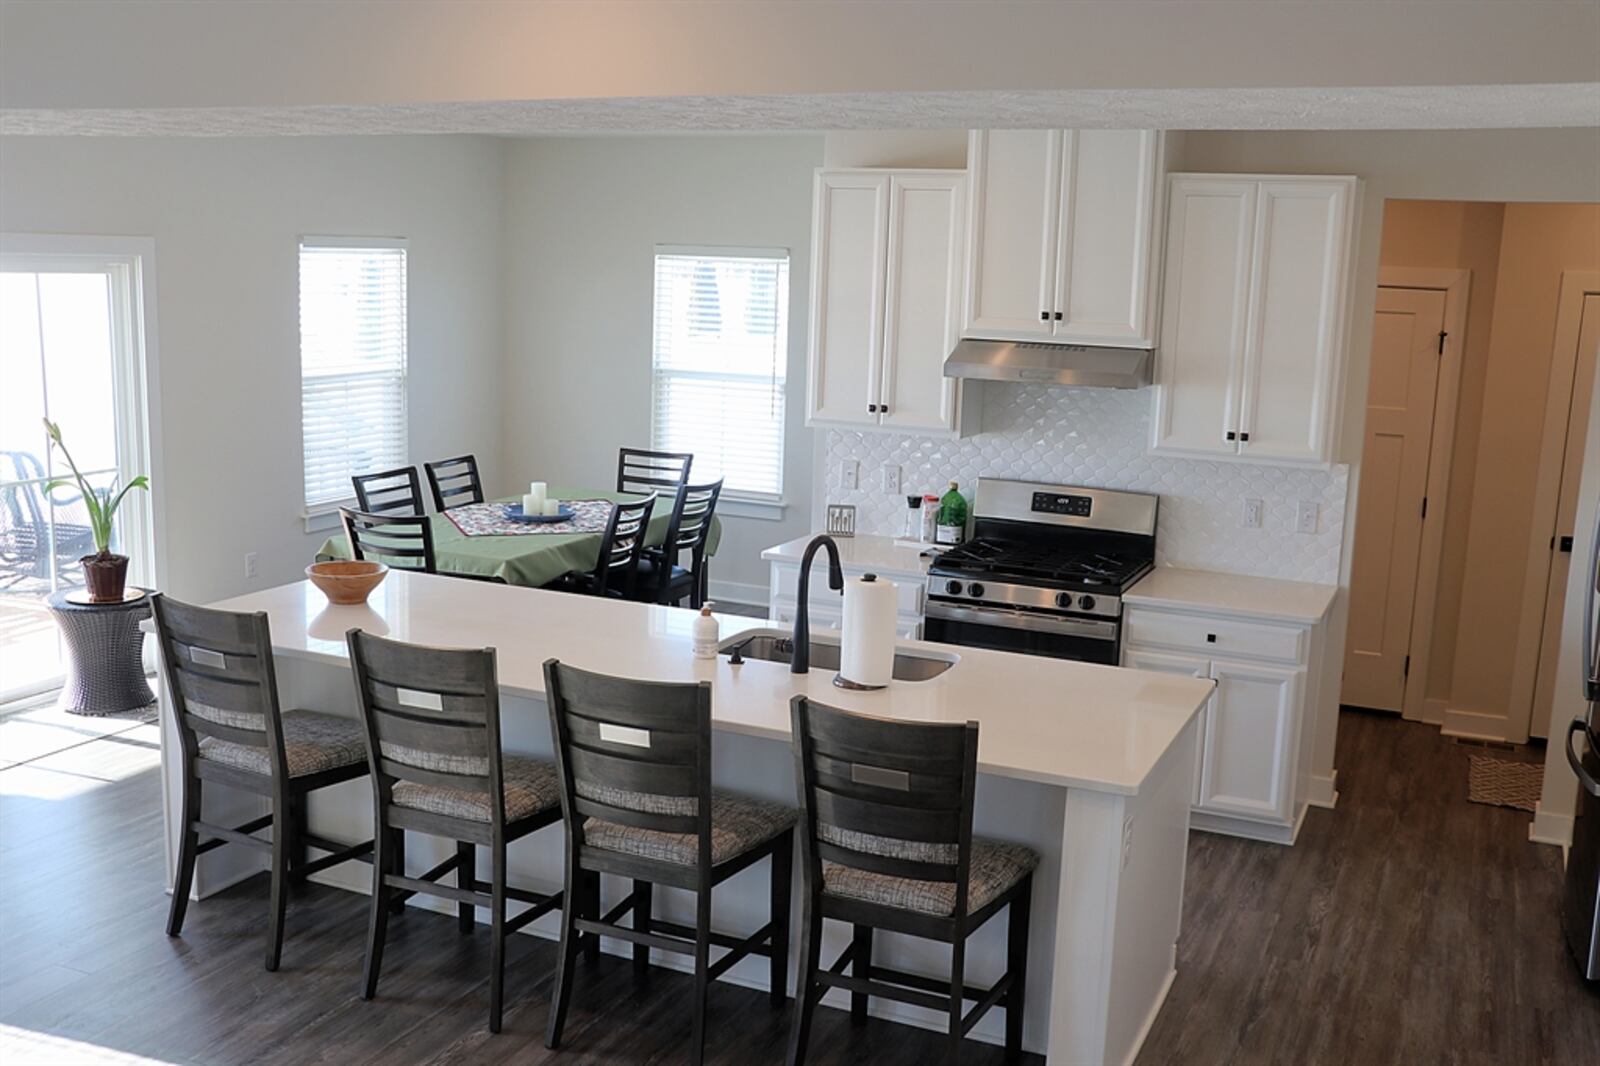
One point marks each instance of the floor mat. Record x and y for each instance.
(1504, 782)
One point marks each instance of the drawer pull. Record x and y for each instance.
(1211, 638)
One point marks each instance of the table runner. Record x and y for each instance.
(489, 519)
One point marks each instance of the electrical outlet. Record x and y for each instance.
(1250, 514)
(250, 561)
(850, 474)
(1307, 516)
(890, 473)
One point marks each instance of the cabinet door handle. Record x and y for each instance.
(1044, 316)
(1244, 436)
(1232, 435)
(1058, 316)
(872, 408)
(883, 408)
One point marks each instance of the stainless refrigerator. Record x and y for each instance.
(1580, 903)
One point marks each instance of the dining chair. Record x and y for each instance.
(454, 482)
(389, 492)
(431, 720)
(634, 763)
(886, 843)
(403, 542)
(660, 579)
(222, 696)
(642, 472)
(617, 567)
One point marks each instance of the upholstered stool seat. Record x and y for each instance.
(312, 742)
(737, 825)
(995, 868)
(530, 787)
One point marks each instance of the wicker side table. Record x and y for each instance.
(105, 662)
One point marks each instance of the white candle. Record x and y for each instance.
(530, 505)
(537, 492)
(552, 507)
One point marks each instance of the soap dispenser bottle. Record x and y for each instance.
(705, 632)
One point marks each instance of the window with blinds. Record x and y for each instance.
(352, 362)
(720, 359)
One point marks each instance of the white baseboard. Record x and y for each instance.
(1324, 791)
(1433, 710)
(1473, 725)
(1267, 833)
(1155, 1009)
(737, 592)
(1550, 828)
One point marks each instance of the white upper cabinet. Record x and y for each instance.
(888, 251)
(1063, 235)
(1257, 272)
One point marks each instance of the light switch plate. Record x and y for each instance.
(850, 474)
(1250, 513)
(890, 474)
(251, 565)
(1308, 516)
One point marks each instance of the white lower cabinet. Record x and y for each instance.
(826, 607)
(1249, 778)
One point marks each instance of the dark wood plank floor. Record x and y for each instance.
(1407, 927)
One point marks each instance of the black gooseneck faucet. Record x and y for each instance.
(800, 659)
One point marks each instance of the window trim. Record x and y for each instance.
(737, 503)
(325, 516)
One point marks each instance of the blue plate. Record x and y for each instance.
(514, 513)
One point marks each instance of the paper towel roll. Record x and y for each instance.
(867, 653)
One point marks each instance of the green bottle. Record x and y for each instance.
(952, 524)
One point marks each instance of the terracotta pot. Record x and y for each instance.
(106, 575)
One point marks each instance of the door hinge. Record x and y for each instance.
(1442, 336)
(1405, 668)
(1424, 507)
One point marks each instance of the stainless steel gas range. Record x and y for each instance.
(1044, 570)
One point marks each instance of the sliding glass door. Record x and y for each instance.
(68, 353)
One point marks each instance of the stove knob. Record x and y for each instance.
(1064, 599)
(953, 587)
(1086, 602)
(975, 589)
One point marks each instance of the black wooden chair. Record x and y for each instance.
(642, 472)
(223, 698)
(389, 492)
(454, 482)
(634, 759)
(432, 735)
(402, 542)
(886, 843)
(660, 579)
(616, 570)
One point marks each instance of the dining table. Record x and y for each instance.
(532, 555)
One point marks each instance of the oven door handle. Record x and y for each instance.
(1589, 783)
(1039, 623)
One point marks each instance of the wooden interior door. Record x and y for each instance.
(1394, 481)
(1583, 377)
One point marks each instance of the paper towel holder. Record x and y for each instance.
(855, 686)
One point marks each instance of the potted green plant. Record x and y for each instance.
(104, 572)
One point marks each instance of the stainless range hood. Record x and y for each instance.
(1051, 364)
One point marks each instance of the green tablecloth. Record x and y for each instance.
(530, 559)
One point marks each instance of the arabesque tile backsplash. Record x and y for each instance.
(1098, 437)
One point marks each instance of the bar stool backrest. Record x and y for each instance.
(883, 796)
(396, 492)
(432, 716)
(637, 753)
(454, 482)
(220, 679)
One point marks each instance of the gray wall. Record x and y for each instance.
(582, 219)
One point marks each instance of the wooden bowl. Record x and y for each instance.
(346, 582)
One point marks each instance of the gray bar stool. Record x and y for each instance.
(886, 843)
(432, 718)
(224, 703)
(635, 765)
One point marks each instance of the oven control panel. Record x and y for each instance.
(1062, 503)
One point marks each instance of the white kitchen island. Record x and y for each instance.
(1092, 766)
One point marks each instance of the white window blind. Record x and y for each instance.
(721, 355)
(352, 362)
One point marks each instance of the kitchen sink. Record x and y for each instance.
(779, 648)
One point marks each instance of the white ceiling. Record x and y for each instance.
(1414, 107)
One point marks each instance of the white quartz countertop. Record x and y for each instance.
(1235, 594)
(864, 552)
(1045, 720)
